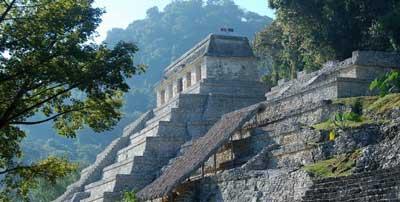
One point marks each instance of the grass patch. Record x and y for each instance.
(364, 100)
(330, 125)
(340, 165)
(384, 104)
(371, 105)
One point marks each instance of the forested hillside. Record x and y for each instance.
(160, 37)
(305, 35)
(164, 36)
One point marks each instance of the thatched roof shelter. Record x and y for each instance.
(201, 150)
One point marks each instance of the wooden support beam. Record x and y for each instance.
(233, 164)
(215, 163)
(202, 171)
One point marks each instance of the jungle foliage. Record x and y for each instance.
(50, 71)
(307, 33)
(161, 36)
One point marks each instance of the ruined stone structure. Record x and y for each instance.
(219, 135)
(258, 158)
(215, 77)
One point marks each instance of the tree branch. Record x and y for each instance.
(14, 169)
(43, 91)
(12, 106)
(5, 13)
(42, 102)
(44, 120)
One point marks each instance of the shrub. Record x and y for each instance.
(343, 120)
(388, 83)
(129, 196)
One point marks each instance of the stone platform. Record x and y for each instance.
(196, 90)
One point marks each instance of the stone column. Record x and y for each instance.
(198, 73)
(158, 94)
(174, 88)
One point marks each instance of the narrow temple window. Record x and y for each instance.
(180, 85)
(188, 79)
(198, 73)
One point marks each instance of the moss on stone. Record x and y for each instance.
(330, 125)
(340, 165)
(372, 106)
(364, 100)
(384, 104)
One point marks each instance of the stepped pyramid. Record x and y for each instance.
(216, 76)
(257, 153)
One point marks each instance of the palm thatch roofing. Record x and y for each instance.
(200, 151)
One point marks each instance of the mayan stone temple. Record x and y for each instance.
(218, 134)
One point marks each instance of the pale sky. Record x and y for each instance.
(120, 13)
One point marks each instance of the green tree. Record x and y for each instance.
(388, 83)
(312, 32)
(50, 69)
(161, 36)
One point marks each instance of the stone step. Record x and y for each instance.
(162, 128)
(357, 178)
(78, 196)
(119, 183)
(108, 197)
(161, 147)
(132, 150)
(355, 193)
(121, 167)
(181, 151)
(178, 115)
(182, 101)
(354, 187)
(380, 185)
(98, 188)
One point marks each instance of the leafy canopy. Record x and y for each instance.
(50, 70)
(388, 83)
(307, 33)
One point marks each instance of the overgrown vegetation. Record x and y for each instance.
(343, 121)
(308, 33)
(51, 72)
(384, 104)
(365, 110)
(163, 35)
(340, 165)
(129, 196)
(388, 83)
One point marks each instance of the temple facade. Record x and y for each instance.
(216, 76)
(218, 134)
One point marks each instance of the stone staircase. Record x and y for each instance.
(296, 148)
(378, 185)
(139, 160)
(148, 150)
(75, 191)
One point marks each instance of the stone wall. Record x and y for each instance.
(348, 78)
(216, 57)
(255, 186)
(231, 68)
